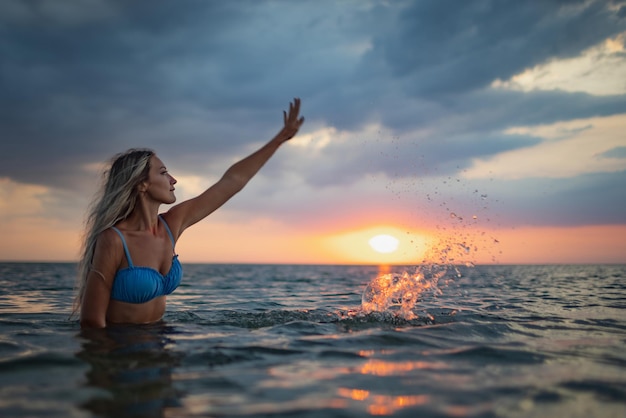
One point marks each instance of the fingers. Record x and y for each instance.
(294, 110)
(296, 106)
(292, 119)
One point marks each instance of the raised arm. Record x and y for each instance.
(187, 213)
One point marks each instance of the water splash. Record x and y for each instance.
(401, 291)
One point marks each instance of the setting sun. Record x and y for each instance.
(384, 243)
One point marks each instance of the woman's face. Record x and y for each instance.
(160, 185)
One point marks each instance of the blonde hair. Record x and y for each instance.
(114, 202)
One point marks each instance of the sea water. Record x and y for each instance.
(325, 341)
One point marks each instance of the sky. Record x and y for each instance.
(482, 131)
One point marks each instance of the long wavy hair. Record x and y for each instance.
(113, 203)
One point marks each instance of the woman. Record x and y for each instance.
(129, 265)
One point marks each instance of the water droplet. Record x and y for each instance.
(399, 291)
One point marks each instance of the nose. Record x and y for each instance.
(173, 180)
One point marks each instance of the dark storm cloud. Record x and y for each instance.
(446, 46)
(209, 75)
(199, 80)
(120, 55)
(85, 90)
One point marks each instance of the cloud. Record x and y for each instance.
(588, 199)
(447, 47)
(599, 70)
(396, 94)
(328, 157)
(64, 12)
(617, 152)
(569, 149)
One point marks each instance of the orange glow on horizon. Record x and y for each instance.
(353, 246)
(592, 244)
(227, 239)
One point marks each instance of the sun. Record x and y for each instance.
(379, 244)
(384, 243)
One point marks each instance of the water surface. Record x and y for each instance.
(281, 340)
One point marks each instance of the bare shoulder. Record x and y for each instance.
(108, 252)
(108, 239)
(173, 218)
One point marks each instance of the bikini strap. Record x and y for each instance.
(167, 228)
(130, 261)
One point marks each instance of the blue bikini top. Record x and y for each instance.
(142, 284)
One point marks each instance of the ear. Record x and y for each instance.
(142, 187)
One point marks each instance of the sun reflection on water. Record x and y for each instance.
(382, 404)
(385, 368)
(385, 404)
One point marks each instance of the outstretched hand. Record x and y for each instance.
(293, 121)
